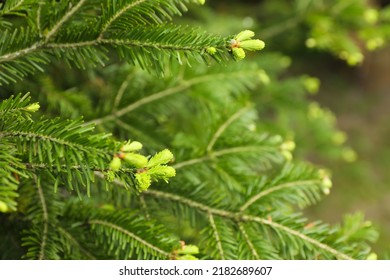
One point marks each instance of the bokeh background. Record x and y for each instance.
(340, 50)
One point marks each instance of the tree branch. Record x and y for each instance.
(256, 197)
(248, 241)
(117, 15)
(130, 234)
(45, 217)
(236, 217)
(216, 235)
(224, 126)
(215, 154)
(68, 15)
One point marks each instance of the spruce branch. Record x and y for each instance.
(216, 235)
(12, 7)
(42, 207)
(237, 217)
(293, 185)
(223, 152)
(64, 19)
(139, 103)
(85, 44)
(180, 87)
(11, 171)
(38, 19)
(248, 241)
(224, 126)
(75, 243)
(118, 13)
(298, 234)
(45, 219)
(131, 235)
(67, 149)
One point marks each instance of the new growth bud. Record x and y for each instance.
(252, 45)
(242, 41)
(136, 160)
(33, 107)
(162, 157)
(238, 54)
(244, 35)
(115, 164)
(162, 172)
(131, 147)
(188, 249)
(211, 50)
(143, 181)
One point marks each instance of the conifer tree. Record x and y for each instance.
(125, 136)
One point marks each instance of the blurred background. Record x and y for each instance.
(329, 92)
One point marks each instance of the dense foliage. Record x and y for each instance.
(139, 136)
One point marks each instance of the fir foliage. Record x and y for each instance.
(68, 192)
(68, 31)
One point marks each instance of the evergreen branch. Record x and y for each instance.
(185, 84)
(75, 242)
(216, 235)
(10, 170)
(224, 126)
(42, 208)
(248, 241)
(125, 176)
(220, 153)
(129, 234)
(145, 46)
(120, 15)
(136, 132)
(15, 108)
(41, 166)
(232, 184)
(38, 19)
(45, 217)
(117, 15)
(118, 43)
(16, 6)
(11, 7)
(65, 18)
(121, 92)
(298, 234)
(19, 53)
(276, 188)
(139, 103)
(192, 204)
(30, 134)
(248, 218)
